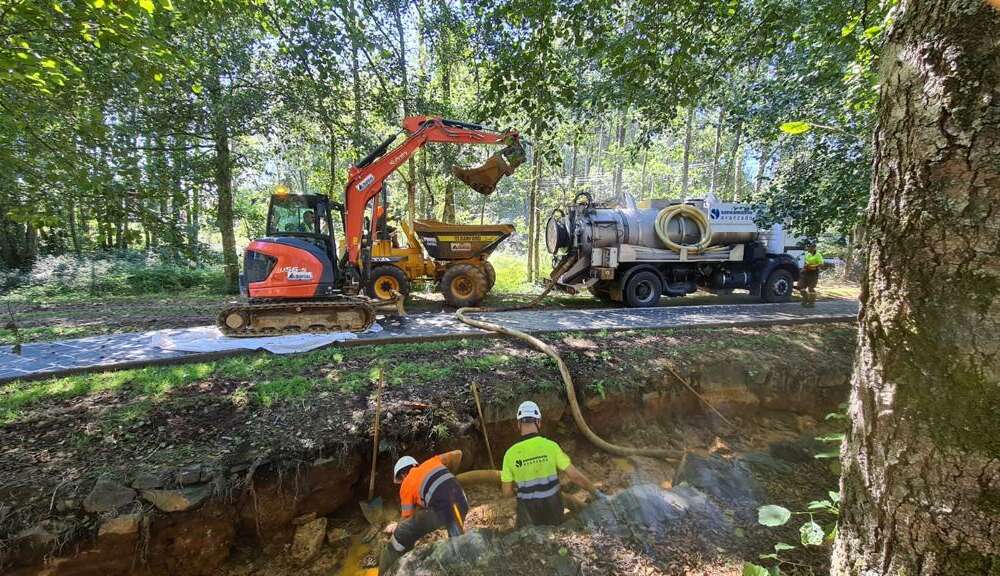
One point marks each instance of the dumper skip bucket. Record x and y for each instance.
(460, 241)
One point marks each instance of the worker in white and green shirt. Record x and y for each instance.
(810, 275)
(532, 466)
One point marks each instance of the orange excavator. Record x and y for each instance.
(293, 280)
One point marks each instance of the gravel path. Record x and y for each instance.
(117, 351)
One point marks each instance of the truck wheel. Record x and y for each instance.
(643, 289)
(491, 275)
(463, 285)
(386, 279)
(778, 287)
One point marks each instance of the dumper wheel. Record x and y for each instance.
(491, 275)
(463, 285)
(385, 280)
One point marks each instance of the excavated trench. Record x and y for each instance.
(302, 516)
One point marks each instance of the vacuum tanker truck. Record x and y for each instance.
(636, 252)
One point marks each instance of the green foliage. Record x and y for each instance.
(796, 128)
(270, 391)
(773, 515)
(811, 534)
(122, 273)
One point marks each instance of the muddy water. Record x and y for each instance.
(355, 556)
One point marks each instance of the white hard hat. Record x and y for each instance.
(402, 464)
(528, 409)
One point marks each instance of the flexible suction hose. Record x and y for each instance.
(479, 477)
(574, 406)
(669, 213)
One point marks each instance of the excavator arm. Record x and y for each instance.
(366, 179)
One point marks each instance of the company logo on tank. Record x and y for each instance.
(732, 213)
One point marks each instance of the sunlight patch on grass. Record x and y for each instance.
(154, 382)
(512, 273)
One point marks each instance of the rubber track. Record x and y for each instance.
(351, 303)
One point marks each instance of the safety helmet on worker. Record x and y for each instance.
(528, 410)
(402, 464)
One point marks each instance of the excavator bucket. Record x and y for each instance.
(484, 179)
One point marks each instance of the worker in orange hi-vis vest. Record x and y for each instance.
(430, 498)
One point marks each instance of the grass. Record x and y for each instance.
(154, 382)
(283, 377)
(487, 362)
(263, 380)
(270, 391)
(512, 274)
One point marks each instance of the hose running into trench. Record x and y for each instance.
(574, 405)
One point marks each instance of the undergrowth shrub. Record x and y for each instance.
(112, 273)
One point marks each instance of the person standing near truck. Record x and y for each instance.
(533, 465)
(430, 498)
(810, 275)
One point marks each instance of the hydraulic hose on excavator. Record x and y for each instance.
(574, 405)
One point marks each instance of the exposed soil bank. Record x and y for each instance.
(246, 476)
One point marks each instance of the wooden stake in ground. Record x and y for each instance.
(372, 509)
(482, 425)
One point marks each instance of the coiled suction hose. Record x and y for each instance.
(669, 213)
(574, 406)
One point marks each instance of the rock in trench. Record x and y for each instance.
(726, 480)
(178, 500)
(308, 540)
(120, 526)
(107, 495)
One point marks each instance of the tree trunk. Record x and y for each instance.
(619, 161)
(685, 169)
(572, 166)
(194, 222)
(718, 151)
(600, 147)
(921, 464)
(356, 82)
(444, 57)
(331, 153)
(73, 231)
(642, 178)
(223, 172)
(177, 198)
(532, 217)
(411, 169)
(737, 162)
(765, 157)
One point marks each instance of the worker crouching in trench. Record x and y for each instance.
(430, 498)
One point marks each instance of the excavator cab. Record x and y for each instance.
(301, 215)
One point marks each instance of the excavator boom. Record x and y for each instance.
(366, 179)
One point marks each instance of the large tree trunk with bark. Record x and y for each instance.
(223, 172)
(921, 465)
